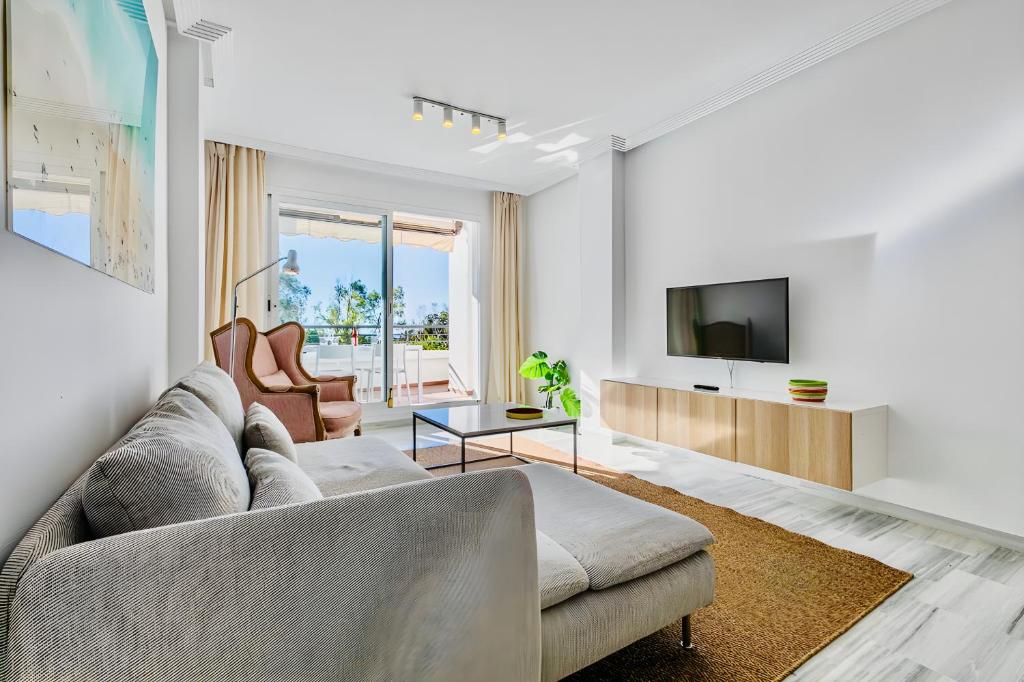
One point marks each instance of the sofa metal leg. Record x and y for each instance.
(685, 635)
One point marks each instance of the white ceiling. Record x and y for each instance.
(337, 76)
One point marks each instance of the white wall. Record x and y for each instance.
(552, 319)
(888, 184)
(186, 210)
(306, 179)
(601, 350)
(86, 354)
(574, 278)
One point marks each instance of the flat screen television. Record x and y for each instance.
(735, 320)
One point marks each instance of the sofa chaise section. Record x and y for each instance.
(645, 568)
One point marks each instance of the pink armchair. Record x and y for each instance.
(268, 371)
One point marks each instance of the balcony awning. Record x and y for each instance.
(432, 233)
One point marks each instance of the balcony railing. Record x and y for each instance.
(430, 337)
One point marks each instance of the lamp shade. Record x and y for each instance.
(291, 264)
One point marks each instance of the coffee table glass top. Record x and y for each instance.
(483, 420)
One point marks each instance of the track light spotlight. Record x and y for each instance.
(448, 121)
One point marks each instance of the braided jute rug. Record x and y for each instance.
(780, 597)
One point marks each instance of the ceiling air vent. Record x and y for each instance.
(204, 30)
(211, 35)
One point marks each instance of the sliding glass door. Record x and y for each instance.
(389, 297)
(341, 292)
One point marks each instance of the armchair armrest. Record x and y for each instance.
(298, 408)
(432, 580)
(333, 388)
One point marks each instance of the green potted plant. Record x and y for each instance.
(557, 377)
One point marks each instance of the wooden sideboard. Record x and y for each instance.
(835, 443)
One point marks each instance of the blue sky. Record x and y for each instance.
(68, 234)
(422, 272)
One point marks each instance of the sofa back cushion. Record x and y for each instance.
(179, 463)
(277, 480)
(217, 390)
(264, 430)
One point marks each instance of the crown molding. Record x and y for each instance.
(887, 20)
(381, 168)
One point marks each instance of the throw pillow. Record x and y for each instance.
(215, 388)
(264, 430)
(277, 480)
(179, 463)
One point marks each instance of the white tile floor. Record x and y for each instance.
(961, 618)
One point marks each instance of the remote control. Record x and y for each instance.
(705, 387)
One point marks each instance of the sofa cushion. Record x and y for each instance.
(349, 465)
(277, 480)
(179, 463)
(217, 390)
(615, 537)
(559, 574)
(264, 430)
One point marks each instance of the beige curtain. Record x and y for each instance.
(505, 384)
(236, 200)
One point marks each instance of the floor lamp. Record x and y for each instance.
(291, 267)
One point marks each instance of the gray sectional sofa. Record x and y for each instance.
(157, 564)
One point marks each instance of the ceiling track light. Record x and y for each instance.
(448, 112)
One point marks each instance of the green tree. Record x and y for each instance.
(342, 308)
(356, 304)
(434, 335)
(293, 297)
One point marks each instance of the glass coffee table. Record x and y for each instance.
(471, 421)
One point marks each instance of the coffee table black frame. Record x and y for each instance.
(511, 427)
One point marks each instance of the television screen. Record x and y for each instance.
(736, 321)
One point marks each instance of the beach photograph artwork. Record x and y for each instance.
(82, 90)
